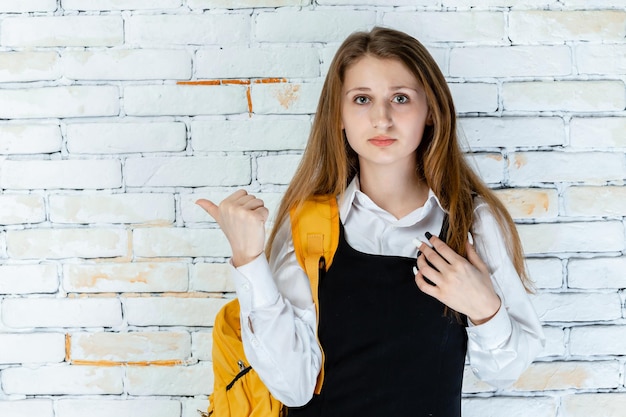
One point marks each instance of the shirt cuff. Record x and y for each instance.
(254, 284)
(493, 333)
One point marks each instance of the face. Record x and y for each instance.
(383, 112)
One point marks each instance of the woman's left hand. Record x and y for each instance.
(462, 284)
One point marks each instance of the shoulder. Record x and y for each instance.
(489, 240)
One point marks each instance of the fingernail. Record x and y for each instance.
(417, 242)
(428, 235)
(470, 238)
(414, 270)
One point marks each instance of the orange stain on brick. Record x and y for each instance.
(68, 347)
(247, 82)
(201, 82)
(287, 95)
(520, 161)
(116, 363)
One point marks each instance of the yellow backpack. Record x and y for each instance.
(238, 391)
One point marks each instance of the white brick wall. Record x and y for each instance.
(117, 115)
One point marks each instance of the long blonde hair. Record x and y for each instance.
(329, 164)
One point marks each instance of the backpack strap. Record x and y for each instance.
(315, 234)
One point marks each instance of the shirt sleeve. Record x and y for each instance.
(502, 348)
(278, 322)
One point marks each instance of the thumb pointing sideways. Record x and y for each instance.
(210, 208)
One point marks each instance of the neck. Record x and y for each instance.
(398, 192)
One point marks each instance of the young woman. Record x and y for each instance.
(398, 303)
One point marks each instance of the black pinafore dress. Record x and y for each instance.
(390, 349)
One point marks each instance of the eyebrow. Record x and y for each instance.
(394, 88)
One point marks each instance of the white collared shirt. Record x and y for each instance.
(278, 315)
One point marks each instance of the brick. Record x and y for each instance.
(181, 380)
(62, 31)
(576, 96)
(285, 98)
(28, 279)
(453, 26)
(545, 272)
(595, 201)
(188, 171)
(495, 3)
(192, 406)
(509, 406)
(555, 342)
(243, 62)
(60, 174)
(513, 132)
(597, 273)
(249, 135)
(131, 347)
(568, 375)
(31, 348)
(557, 26)
(61, 312)
(16, 6)
(243, 4)
(593, 4)
(598, 132)
(172, 311)
(586, 404)
(191, 212)
(512, 61)
(530, 203)
(474, 97)
(113, 138)
(29, 139)
(63, 380)
(67, 101)
(127, 64)
(577, 307)
(526, 168)
(597, 340)
(211, 277)
(489, 166)
(586, 237)
(205, 29)
(3, 245)
(29, 66)
(112, 208)
(125, 277)
(67, 243)
(184, 100)
(422, 3)
(106, 5)
(202, 345)
(178, 241)
(118, 408)
(311, 26)
(600, 59)
(21, 408)
(473, 385)
(277, 169)
(21, 208)
(327, 54)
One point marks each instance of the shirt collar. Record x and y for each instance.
(353, 196)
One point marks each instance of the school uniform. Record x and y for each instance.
(389, 348)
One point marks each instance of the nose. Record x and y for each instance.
(380, 115)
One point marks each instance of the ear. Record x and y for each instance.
(429, 119)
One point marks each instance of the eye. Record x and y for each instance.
(361, 100)
(400, 99)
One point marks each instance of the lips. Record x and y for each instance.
(382, 141)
